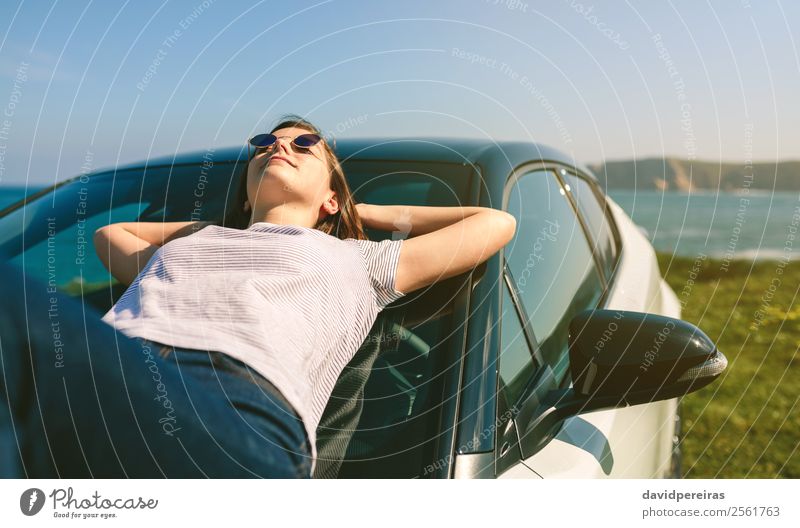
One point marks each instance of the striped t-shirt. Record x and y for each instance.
(292, 302)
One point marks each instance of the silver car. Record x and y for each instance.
(563, 355)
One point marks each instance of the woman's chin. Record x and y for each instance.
(275, 185)
(277, 174)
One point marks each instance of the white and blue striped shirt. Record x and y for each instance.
(292, 302)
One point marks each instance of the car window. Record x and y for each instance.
(406, 182)
(51, 237)
(551, 263)
(594, 213)
(67, 258)
(515, 359)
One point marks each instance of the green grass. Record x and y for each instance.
(747, 423)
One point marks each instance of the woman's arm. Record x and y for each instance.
(447, 241)
(413, 219)
(125, 247)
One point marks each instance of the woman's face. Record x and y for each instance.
(289, 175)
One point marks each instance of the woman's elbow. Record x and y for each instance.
(100, 239)
(506, 227)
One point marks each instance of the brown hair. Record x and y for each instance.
(345, 223)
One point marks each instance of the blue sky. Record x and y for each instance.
(95, 84)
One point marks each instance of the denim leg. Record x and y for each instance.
(256, 402)
(83, 400)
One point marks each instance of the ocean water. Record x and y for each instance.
(753, 225)
(723, 225)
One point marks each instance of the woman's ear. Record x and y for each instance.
(246, 206)
(331, 205)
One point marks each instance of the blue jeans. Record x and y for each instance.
(80, 400)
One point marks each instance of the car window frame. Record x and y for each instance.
(530, 338)
(514, 176)
(615, 231)
(584, 227)
(603, 202)
(527, 327)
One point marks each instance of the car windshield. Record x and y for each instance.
(382, 417)
(50, 237)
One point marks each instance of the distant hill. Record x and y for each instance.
(682, 175)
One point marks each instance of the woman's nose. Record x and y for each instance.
(284, 144)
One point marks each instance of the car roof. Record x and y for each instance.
(472, 151)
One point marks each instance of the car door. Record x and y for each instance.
(642, 435)
(558, 265)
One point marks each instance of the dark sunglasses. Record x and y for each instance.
(265, 141)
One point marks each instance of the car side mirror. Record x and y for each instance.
(639, 357)
(620, 358)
